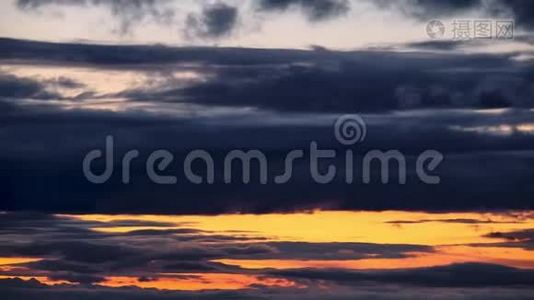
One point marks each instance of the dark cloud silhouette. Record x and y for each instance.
(315, 10)
(458, 221)
(456, 275)
(332, 251)
(394, 84)
(214, 21)
(295, 96)
(23, 88)
(142, 57)
(447, 45)
(523, 238)
(14, 289)
(490, 171)
(297, 80)
(16, 87)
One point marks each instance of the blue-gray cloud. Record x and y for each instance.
(315, 10)
(214, 21)
(408, 99)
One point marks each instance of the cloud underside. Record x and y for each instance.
(217, 20)
(294, 80)
(474, 108)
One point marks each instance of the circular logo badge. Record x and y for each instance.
(350, 129)
(435, 29)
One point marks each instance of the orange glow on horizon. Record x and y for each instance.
(4, 261)
(341, 226)
(512, 257)
(198, 281)
(41, 279)
(452, 237)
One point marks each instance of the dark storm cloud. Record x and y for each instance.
(333, 251)
(490, 171)
(15, 289)
(23, 88)
(360, 84)
(456, 275)
(297, 80)
(514, 235)
(315, 10)
(140, 57)
(19, 289)
(292, 93)
(214, 21)
(523, 238)
(129, 12)
(17, 87)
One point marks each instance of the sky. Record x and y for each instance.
(105, 103)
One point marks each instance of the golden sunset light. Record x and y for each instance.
(388, 227)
